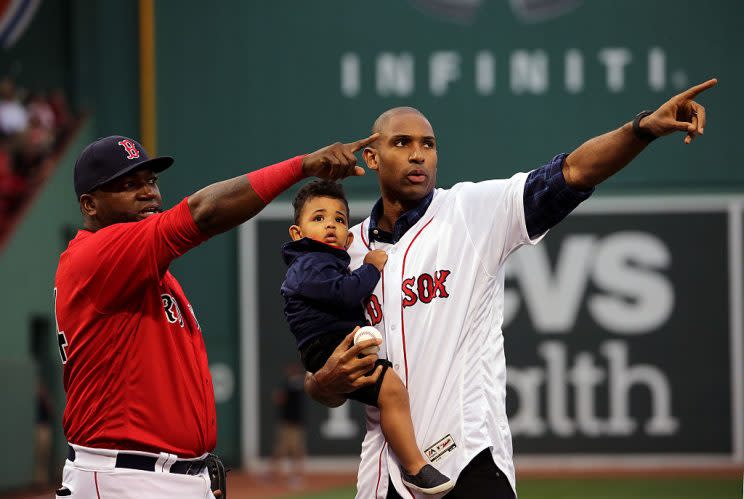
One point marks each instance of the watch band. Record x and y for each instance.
(642, 133)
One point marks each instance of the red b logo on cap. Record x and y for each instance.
(130, 148)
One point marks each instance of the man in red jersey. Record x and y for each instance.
(140, 415)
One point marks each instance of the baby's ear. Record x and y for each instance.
(295, 232)
(349, 239)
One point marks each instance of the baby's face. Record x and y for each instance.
(326, 220)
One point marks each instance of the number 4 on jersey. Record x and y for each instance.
(61, 338)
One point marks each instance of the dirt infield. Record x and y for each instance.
(248, 486)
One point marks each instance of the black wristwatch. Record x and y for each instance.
(642, 133)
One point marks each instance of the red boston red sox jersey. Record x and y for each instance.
(135, 365)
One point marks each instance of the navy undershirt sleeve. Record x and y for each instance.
(547, 197)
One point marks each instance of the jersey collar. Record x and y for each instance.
(405, 222)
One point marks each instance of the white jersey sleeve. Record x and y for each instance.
(493, 212)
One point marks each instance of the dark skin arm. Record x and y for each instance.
(227, 204)
(343, 372)
(601, 157)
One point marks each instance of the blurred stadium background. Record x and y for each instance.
(624, 330)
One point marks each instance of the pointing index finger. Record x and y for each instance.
(361, 144)
(694, 91)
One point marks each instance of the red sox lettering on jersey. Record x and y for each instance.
(439, 307)
(172, 312)
(374, 310)
(130, 148)
(423, 288)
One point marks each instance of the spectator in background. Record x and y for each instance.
(13, 116)
(6, 162)
(62, 114)
(12, 186)
(290, 436)
(28, 135)
(32, 146)
(40, 110)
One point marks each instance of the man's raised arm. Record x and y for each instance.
(601, 157)
(224, 205)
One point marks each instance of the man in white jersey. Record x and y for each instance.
(440, 301)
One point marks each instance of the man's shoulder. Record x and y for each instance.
(88, 250)
(493, 182)
(85, 242)
(464, 190)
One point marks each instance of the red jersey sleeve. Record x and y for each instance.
(117, 261)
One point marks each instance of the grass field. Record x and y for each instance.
(626, 488)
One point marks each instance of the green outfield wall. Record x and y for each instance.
(506, 85)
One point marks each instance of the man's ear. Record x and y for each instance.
(295, 232)
(370, 157)
(349, 239)
(88, 205)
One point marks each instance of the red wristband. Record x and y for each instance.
(270, 181)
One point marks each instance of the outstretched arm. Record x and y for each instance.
(603, 156)
(224, 205)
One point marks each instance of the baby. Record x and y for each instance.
(324, 301)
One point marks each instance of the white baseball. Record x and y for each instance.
(368, 333)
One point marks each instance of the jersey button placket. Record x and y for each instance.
(392, 310)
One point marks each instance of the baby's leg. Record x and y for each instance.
(395, 420)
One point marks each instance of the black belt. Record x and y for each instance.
(147, 463)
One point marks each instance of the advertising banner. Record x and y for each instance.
(622, 334)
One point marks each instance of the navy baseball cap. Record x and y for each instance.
(110, 158)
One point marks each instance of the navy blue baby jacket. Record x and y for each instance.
(321, 295)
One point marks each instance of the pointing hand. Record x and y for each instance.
(680, 113)
(336, 161)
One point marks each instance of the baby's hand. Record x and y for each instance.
(376, 258)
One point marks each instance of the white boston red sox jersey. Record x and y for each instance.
(439, 306)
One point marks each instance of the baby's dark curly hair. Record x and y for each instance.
(318, 189)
